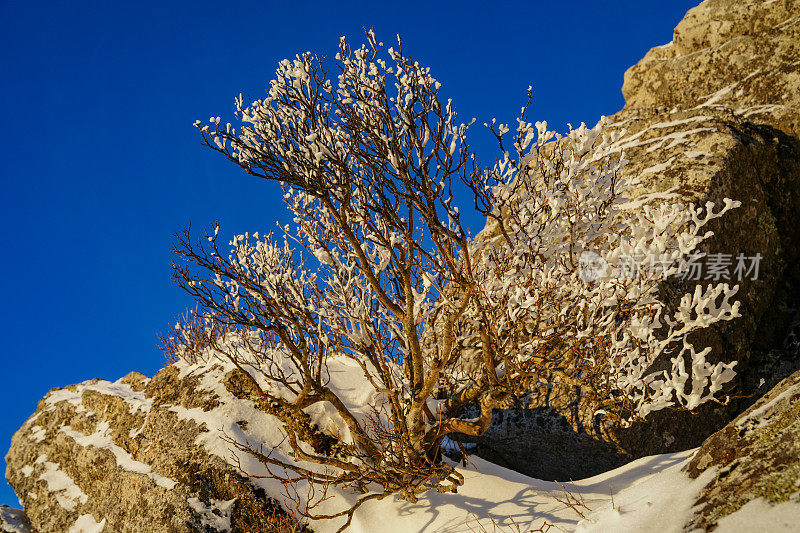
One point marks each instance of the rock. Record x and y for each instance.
(756, 456)
(541, 444)
(125, 456)
(13, 520)
(715, 113)
(719, 110)
(726, 54)
(723, 155)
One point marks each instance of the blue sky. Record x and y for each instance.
(100, 164)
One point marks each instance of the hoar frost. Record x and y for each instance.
(378, 269)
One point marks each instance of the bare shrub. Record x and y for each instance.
(378, 271)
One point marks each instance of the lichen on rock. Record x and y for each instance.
(756, 456)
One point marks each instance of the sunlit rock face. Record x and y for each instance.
(715, 113)
(126, 457)
(726, 54)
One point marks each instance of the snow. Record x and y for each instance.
(344, 376)
(758, 414)
(760, 515)
(102, 439)
(661, 502)
(651, 494)
(714, 98)
(63, 395)
(87, 524)
(673, 123)
(760, 109)
(136, 400)
(656, 143)
(661, 167)
(646, 492)
(678, 137)
(37, 434)
(788, 23)
(717, 96)
(66, 492)
(216, 515)
(493, 495)
(490, 492)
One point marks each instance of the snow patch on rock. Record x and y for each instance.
(66, 492)
(760, 515)
(136, 400)
(87, 524)
(101, 438)
(217, 514)
(37, 434)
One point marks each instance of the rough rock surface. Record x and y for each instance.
(715, 113)
(742, 56)
(120, 454)
(537, 443)
(756, 456)
(13, 520)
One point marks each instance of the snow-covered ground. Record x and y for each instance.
(651, 494)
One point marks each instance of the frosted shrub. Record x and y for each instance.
(562, 281)
(378, 272)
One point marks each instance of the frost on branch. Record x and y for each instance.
(560, 268)
(378, 271)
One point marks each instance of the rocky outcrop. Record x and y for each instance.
(755, 456)
(13, 520)
(125, 457)
(156, 455)
(729, 54)
(715, 113)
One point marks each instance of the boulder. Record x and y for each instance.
(726, 54)
(125, 457)
(715, 114)
(13, 520)
(755, 456)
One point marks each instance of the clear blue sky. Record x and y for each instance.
(100, 164)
